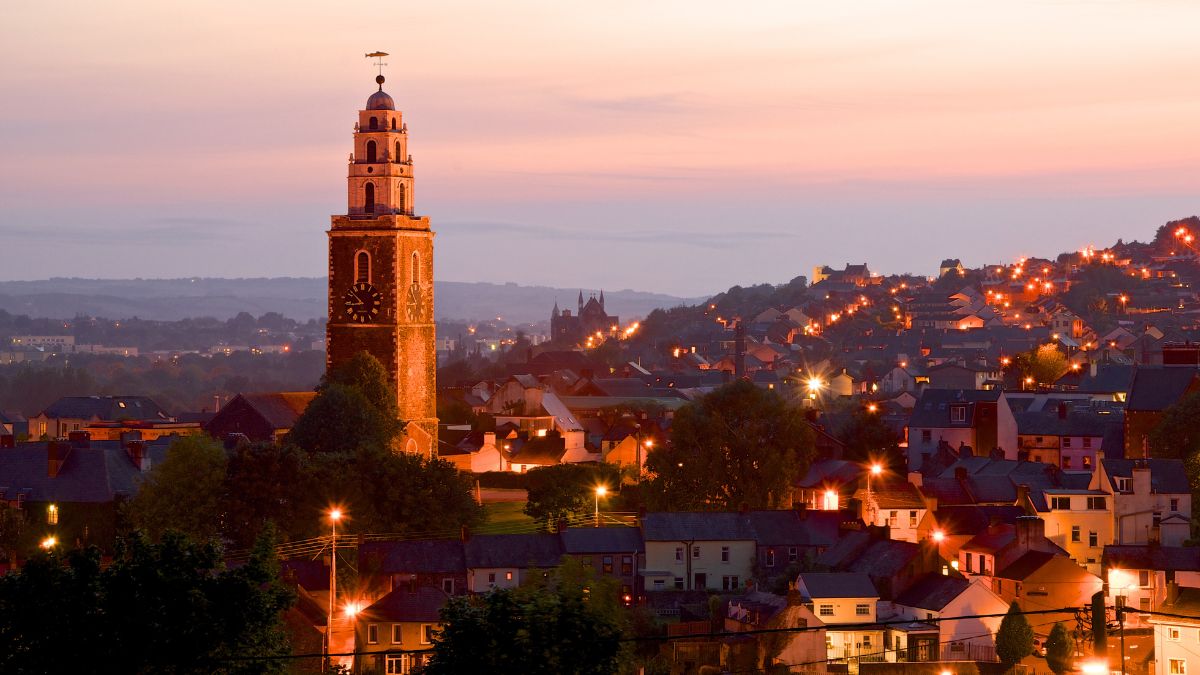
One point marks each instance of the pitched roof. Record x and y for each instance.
(697, 526)
(1156, 389)
(793, 528)
(280, 409)
(933, 592)
(1166, 475)
(1153, 557)
(431, 556)
(602, 540)
(513, 550)
(402, 605)
(830, 471)
(838, 585)
(1026, 565)
(106, 408)
(94, 474)
(933, 408)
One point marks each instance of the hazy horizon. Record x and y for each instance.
(676, 147)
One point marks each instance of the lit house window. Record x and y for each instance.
(1177, 667)
(52, 514)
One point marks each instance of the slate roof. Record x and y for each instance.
(830, 472)
(402, 605)
(865, 552)
(107, 408)
(972, 519)
(89, 475)
(792, 528)
(932, 592)
(513, 550)
(838, 585)
(1187, 603)
(432, 556)
(280, 409)
(602, 540)
(1026, 565)
(933, 408)
(1153, 557)
(697, 526)
(1166, 475)
(1156, 389)
(1076, 423)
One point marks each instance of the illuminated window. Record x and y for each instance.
(362, 267)
(369, 198)
(1177, 667)
(371, 152)
(52, 514)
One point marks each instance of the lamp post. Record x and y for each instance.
(334, 516)
(600, 492)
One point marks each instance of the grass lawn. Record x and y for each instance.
(506, 517)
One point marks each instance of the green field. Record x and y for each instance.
(505, 518)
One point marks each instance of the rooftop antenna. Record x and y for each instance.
(378, 56)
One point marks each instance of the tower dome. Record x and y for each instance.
(380, 100)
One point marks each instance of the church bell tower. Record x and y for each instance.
(381, 271)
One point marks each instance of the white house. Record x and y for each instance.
(941, 597)
(1177, 640)
(846, 599)
(697, 551)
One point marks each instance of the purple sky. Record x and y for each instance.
(671, 146)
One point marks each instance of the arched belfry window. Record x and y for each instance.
(374, 123)
(393, 124)
(370, 151)
(416, 268)
(369, 198)
(398, 157)
(400, 198)
(362, 267)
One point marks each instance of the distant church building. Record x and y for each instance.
(381, 271)
(590, 319)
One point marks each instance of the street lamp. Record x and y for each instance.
(49, 542)
(335, 514)
(600, 492)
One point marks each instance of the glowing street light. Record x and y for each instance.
(600, 492)
(49, 543)
(939, 536)
(814, 385)
(1095, 667)
(875, 470)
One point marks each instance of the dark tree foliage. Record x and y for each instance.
(560, 491)
(1014, 640)
(184, 493)
(869, 438)
(169, 607)
(265, 483)
(569, 622)
(739, 445)
(342, 419)
(1060, 649)
(1177, 435)
(365, 373)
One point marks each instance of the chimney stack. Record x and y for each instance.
(1031, 533)
(56, 456)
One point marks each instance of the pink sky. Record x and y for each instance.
(674, 146)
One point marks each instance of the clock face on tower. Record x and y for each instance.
(413, 308)
(363, 302)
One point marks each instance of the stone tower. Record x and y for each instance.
(381, 271)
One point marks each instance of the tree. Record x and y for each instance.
(341, 418)
(1177, 434)
(12, 524)
(204, 618)
(560, 491)
(264, 483)
(568, 622)
(1045, 364)
(184, 492)
(1059, 649)
(365, 373)
(868, 438)
(1014, 640)
(739, 445)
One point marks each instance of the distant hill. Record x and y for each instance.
(297, 298)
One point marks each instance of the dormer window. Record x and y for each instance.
(958, 413)
(1124, 484)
